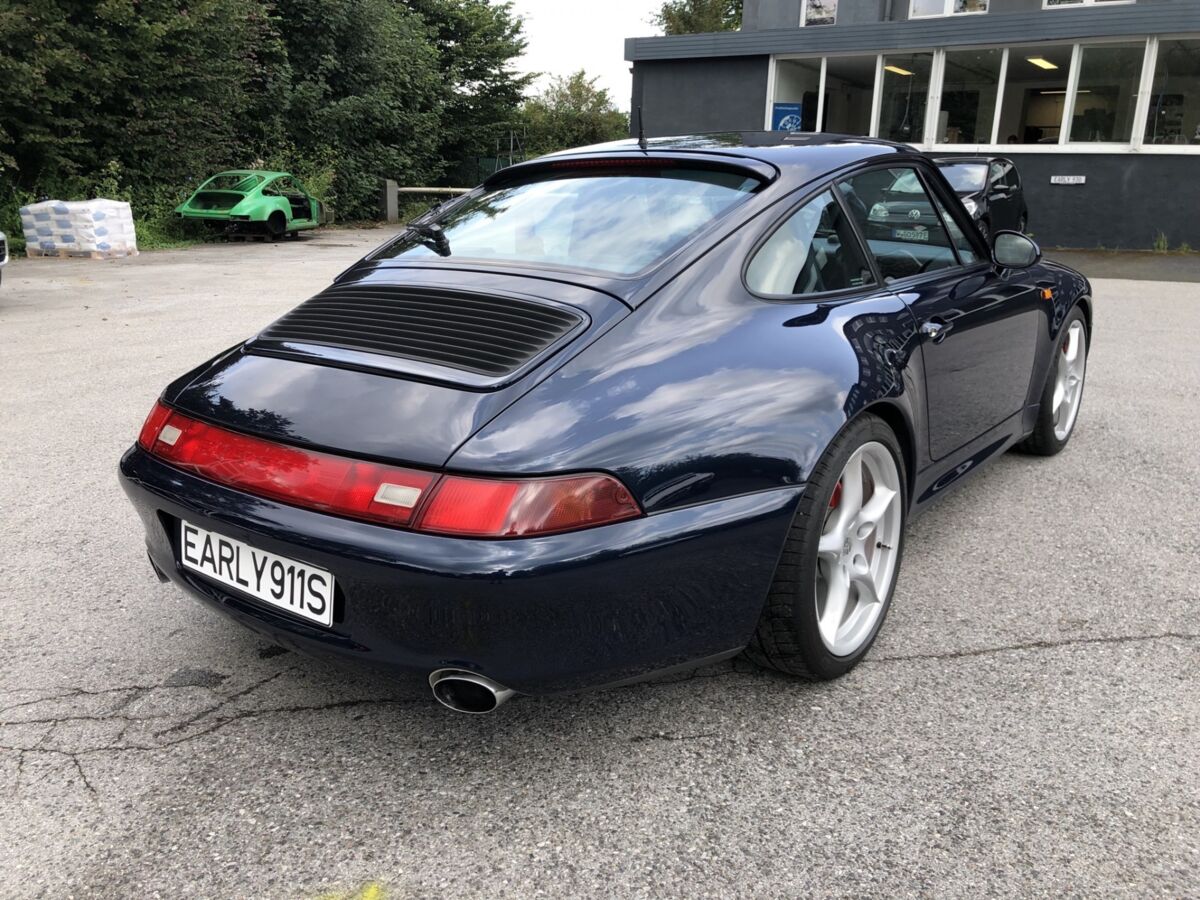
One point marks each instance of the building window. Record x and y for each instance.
(1174, 114)
(797, 87)
(1035, 94)
(1106, 95)
(849, 90)
(905, 96)
(1054, 4)
(970, 86)
(921, 9)
(818, 12)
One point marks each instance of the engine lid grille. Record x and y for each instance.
(487, 335)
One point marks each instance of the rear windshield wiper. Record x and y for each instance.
(435, 237)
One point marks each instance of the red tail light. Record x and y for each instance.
(320, 481)
(452, 505)
(478, 507)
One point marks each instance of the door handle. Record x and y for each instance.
(936, 330)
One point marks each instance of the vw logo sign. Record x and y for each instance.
(914, 214)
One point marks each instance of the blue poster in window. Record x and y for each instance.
(787, 116)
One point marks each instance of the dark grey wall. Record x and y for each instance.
(1127, 200)
(700, 95)
(759, 15)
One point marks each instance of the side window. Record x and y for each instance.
(904, 231)
(814, 251)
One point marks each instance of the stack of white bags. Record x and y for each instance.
(100, 228)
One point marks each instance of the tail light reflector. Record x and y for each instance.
(423, 501)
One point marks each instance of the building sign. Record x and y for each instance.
(787, 117)
(1068, 179)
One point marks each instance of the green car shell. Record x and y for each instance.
(273, 204)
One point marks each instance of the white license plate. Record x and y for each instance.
(910, 234)
(296, 587)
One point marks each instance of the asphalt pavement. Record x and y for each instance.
(1028, 723)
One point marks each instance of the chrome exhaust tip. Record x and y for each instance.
(468, 692)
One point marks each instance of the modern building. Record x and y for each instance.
(1097, 101)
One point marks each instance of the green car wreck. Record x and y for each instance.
(252, 201)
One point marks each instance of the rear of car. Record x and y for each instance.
(3, 252)
(305, 484)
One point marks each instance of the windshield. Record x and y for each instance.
(232, 181)
(618, 221)
(965, 178)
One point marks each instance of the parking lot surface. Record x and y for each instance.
(1027, 724)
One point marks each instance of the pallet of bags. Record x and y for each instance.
(96, 229)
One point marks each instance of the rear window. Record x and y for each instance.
(233, 182)
(617, 221)
(965, 178)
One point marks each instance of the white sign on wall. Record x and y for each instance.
(1068, 179)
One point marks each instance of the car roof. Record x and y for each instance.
(244, 172)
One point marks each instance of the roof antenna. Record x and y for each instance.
(641, 130)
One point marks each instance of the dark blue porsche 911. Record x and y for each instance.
(619, 410)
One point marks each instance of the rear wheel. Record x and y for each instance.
(1063, 393)
(276, 225)
(1023, 223)
(986, 230)
(835, 580)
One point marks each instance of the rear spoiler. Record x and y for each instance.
(653, 159)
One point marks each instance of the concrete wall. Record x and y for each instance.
(1127, 200)
(700, 95)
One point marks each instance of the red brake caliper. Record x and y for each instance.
(837, 496)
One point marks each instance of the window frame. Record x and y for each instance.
(948, 10)
(804, 17)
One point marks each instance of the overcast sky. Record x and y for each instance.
(567, 35)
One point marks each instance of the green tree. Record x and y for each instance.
(366, 91)
(699, 16)
(476, 41)
(571, 112)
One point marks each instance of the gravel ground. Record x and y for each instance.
(1027, 724)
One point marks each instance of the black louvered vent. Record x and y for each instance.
(487, 335)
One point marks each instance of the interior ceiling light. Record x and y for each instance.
(897, 70)
(1041, 63)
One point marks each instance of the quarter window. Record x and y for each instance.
(903, 228)
(813, 252)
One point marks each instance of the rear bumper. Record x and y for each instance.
(538, 615)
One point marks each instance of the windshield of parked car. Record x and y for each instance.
(965, 178)
(232, 181)
(619, 220)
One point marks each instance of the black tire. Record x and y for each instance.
(1043, 441)
(1023, 223)
(986, 230)
(276, 226)
(787, 638)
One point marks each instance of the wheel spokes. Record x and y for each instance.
(837, 597)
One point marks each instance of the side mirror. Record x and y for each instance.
(1013, 250)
